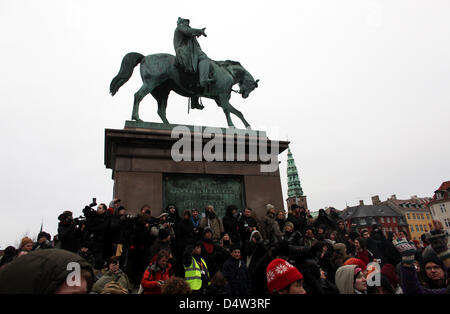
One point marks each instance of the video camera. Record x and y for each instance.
(88, 208)
(94, 202)
(79, 221)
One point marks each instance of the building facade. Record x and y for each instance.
(417, 214)
(440, 205)
(364, 216)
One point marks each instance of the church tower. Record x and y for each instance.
(295, 191)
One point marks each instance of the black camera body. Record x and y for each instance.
(94, 202)
(79, 221)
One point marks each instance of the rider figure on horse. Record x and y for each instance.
(189, 55)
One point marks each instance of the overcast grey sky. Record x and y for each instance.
(360, 88)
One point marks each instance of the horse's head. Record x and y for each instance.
(247, 86)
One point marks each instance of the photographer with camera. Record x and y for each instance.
(157, 273)
(141, 240)
(114, 281)
(69, 233)
(98, 228)
(246, 225)
(121, 225)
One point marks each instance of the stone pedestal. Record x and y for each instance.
(145, 172)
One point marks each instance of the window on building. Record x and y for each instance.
(396, 229)
(408, 216)
(382, 220)
(394, 220)
(421, 216)
(412, 228)
(388, 220)
(362, 221)
(428, 216)
(414, 216)
(417, 228)
(421, 228)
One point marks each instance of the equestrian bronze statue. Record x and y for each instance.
(189, 73)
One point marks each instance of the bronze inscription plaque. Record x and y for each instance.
(189, 191)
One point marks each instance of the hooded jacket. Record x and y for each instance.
(120, 278)
(39, 272)
(270, 230)
(344, 279)
(212, 221)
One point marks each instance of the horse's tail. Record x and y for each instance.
(129, 62)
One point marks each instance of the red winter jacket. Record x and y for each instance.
(152, 275)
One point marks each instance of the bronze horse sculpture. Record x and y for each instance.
(160, 75)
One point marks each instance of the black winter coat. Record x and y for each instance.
(298, 221)
(184, 233)
(243, 224)
(98, 226)
(69, 236)
(230, 226)
(236, 273)
(120, 229)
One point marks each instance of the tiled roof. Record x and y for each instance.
(445, 186)
(413, 204)
(445, 190)
(382, 210)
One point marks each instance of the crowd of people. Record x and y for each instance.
(200, 253)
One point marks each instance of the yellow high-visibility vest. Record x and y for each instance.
(193, 274)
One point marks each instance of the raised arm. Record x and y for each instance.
(191, 32)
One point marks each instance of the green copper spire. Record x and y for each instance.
(294, 187)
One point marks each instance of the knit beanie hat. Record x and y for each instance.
(340, 248)
(356, 261)
(207, 229)
(25, 241)
(280, 274)
(235, 246)
(255, 233)
(163, 233)
(289, 224)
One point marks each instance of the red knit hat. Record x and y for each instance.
(357, 262)
(281, 274)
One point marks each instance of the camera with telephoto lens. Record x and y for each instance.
(94, 202)
(79, 221)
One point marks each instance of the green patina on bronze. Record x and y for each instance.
(189, 191)
(189, 73)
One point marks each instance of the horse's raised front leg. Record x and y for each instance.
(138, 96)
(239, 115)
(223, 102)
